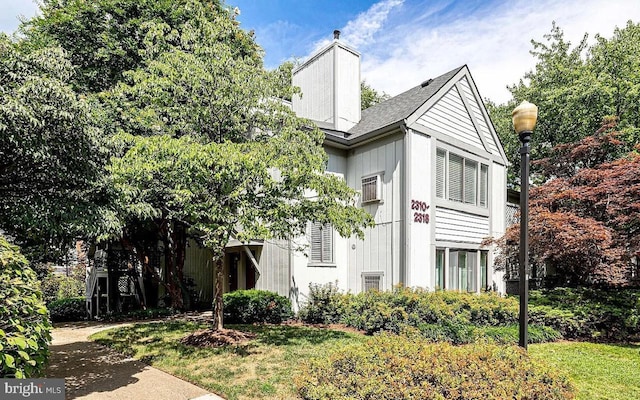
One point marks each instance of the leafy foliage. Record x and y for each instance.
(25, 331)
(68, 309)
(50, 159)
(584, 226)
(575, 88)
(585, 313)
(251, 306)
(392, 367)
(370, 97)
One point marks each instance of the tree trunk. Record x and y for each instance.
(217, 299)
(172, 279)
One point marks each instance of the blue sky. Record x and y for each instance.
(404, 42)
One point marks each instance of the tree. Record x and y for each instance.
(584, 225)
(104, 38)
(575, 88)
(370, 97)
(50, 158)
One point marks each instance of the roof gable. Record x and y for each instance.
(399, 107)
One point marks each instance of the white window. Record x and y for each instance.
(371, 281)
(460, 179)
(371, 189)
(321, 243)
(462, 271)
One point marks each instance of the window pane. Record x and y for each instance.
(452, 281)
(439, 269)
(484, 184)
(470, 179)
(462, 271)
(484, 284)
(455, 177)
(440, 181)
(370, 188)
(472, 268)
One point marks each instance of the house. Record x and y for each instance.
(428, 166)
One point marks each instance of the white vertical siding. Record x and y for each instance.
(380, 250)
(462, 227)
(274, 267)
(347, 91)
(198, 265)
(479, 117)
(315, 81)
(420, 184)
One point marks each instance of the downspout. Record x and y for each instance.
(406, 232)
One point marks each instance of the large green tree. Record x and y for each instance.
(575, 88)
(50, 158)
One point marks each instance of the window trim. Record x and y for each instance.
(443, 182)
(331, 239)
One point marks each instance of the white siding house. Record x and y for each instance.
(429, 168)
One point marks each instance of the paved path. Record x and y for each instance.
(93, 371)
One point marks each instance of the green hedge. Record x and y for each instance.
(25, 331)
(70, 309)
(251, 306)
(396, 367)
(586, 313)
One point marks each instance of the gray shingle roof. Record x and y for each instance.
(399, 107)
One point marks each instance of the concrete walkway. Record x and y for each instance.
(93, 371)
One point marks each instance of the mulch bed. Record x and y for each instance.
(217, 338)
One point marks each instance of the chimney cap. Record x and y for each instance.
(336, 34)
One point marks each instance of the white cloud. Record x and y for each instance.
(494, 41)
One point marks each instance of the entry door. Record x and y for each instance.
(234, 263)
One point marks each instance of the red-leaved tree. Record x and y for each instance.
(585, 220)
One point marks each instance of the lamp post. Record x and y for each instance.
(524, 119)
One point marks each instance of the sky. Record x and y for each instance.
(405, 42)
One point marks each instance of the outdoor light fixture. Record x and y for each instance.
(524, 120)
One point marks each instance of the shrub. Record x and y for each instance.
(587, 313)
(250, 306)
(25, 331)
(70, 309)
(324, 306)
(392, 367)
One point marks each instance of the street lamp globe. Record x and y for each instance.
(525, 117)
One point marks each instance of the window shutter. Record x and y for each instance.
(321, 243)
(484, 184)
(440, 159)
(470, 179)
(455, 177)
(327, 244)
(316, 242)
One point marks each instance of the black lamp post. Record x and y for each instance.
(524, 119)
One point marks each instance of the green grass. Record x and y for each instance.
(261, 368)
(599, 371)
(264, 367)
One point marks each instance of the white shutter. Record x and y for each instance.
(470, 181)
(327, 244)
(440, 159)
(455, 177)
(316, 242)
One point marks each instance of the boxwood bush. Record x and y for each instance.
(70, 309)
(25, 331)
(588, 313)
(396, 367)
(251, 306)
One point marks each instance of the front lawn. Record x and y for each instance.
(265, 366)
(261, 368)
(599, 371)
